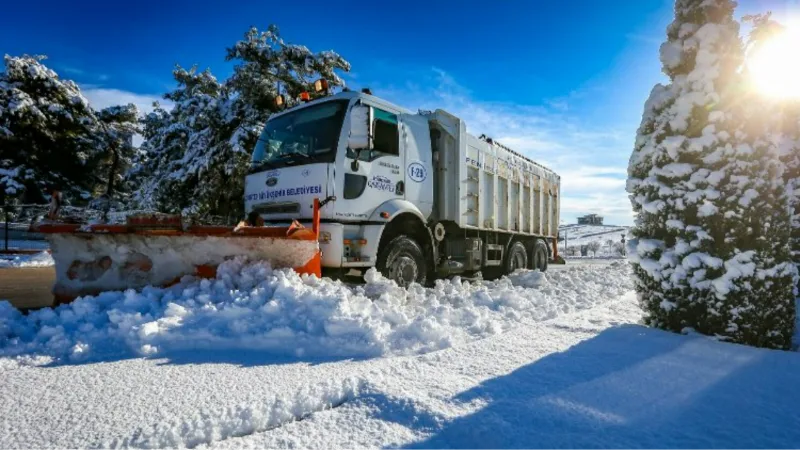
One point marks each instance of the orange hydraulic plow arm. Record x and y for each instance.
(314, 266)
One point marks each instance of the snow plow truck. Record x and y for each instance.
(340, 184)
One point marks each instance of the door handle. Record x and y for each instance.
(400, 188)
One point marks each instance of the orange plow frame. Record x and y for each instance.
(293, 232)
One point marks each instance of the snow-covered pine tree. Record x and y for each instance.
(706, 254)
(772, 127)
(177, 146)
(756, 292)
(45, 133)
(144, 174)
(788, 143)
(114, 133)
(267, 66)
(195, 157)
(663, 162)
(784, 122)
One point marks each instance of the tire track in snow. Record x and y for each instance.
(207, 426)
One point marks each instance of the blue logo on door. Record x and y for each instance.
(417, 172)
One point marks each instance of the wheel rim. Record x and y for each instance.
(403, 270)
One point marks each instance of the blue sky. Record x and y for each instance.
(563, 82)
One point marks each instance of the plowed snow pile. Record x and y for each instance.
(42, 259)
(251, 306)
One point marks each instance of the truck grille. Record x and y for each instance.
(277, 208)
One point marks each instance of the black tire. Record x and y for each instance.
(539, 256)
(402, 260)
(516, 258)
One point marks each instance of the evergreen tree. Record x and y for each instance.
(46, 138)
(196, 156)
(178, 144)
(757, 290)
(707, 255)
(782, 118)
(268, 66)
(144, 167)
(116, 127)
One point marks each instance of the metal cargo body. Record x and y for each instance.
(484, 185)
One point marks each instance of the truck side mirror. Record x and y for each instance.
(360, 137)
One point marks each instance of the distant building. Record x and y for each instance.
(590, 219)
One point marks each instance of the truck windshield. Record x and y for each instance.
(308, 135)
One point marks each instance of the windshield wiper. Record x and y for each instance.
(293, 154)
(264, 163)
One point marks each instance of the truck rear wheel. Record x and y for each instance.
(517, 258)
(401, 260)
(539, 254)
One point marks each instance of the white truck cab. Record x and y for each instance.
(409, 193)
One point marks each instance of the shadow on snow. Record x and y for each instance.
(632, 386)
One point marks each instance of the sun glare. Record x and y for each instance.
(775, 66)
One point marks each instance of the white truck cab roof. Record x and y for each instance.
(347, 95)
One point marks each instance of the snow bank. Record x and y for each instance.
(42, 259)
(251, 306)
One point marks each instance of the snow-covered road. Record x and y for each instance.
(538, 361)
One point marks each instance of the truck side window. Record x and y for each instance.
(386, 139)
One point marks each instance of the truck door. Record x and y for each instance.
(380, 174)
(415, 144)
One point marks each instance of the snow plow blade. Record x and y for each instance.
(159, 250)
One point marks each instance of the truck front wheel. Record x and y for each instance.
(401, 260)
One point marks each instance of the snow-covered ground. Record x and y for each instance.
(537, 360)
(583, 234)
(580, 235)
(42, 259)
(250, 306)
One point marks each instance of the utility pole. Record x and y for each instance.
(624, 251)
(8, 229)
